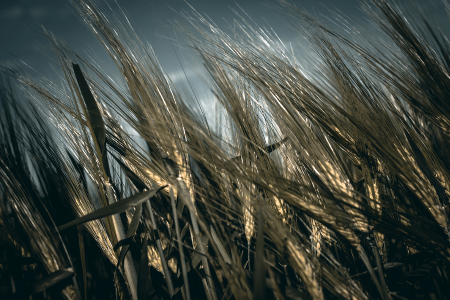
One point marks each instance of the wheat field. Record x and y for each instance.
(330, 182)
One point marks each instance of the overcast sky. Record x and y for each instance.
(21, 36)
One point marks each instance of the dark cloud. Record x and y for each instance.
(12, 12)
(39, 12)
(20, 20)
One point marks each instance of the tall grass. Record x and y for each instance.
(327, 183)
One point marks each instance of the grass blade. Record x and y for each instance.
(83, 260)
(143, 271)
(180, 246)
(379, 267)
(186, 198)
(259, 278)
(275, 146)
(123, 242)
(269, 149)
(130, 233)
(219, 245)
(113, 209)
(161, 251)
(366, 261)
(95, 120)
(52, 279)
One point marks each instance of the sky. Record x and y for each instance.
(22, 37)
(21, 21)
